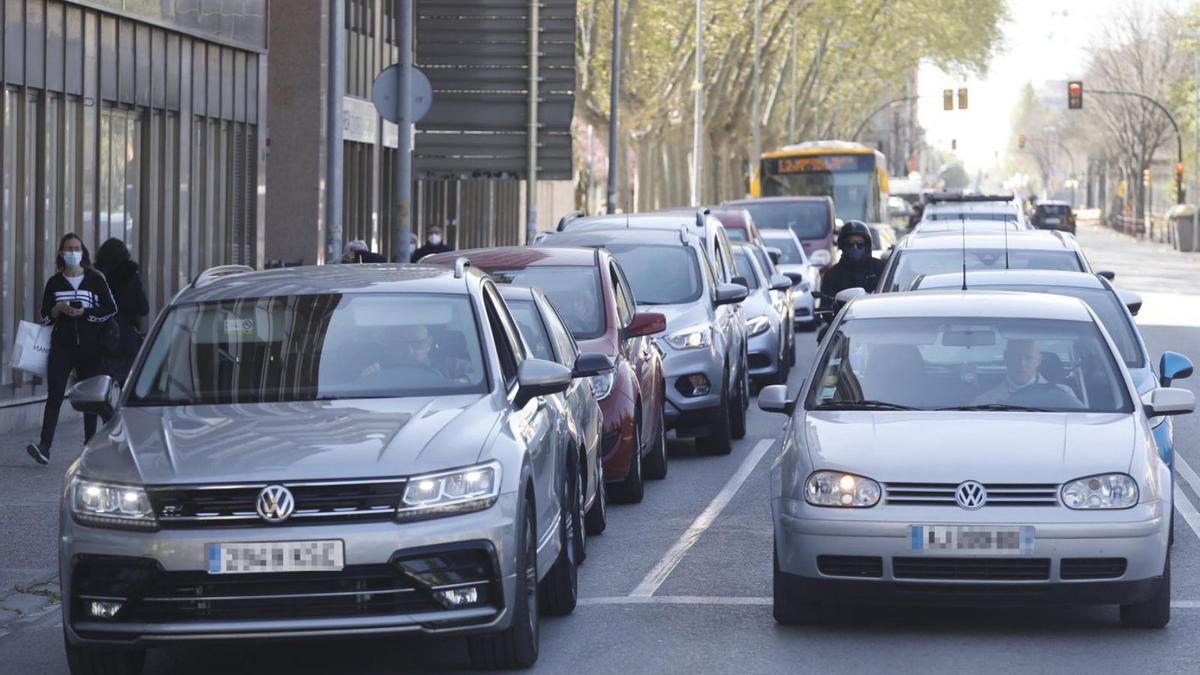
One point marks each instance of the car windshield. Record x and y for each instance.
(911, 264)
(736, 234)
(808, 220)
(789, 253)
(574, 290)
(529, 321)
(312, 347)
(745, 268)
(931, 363)
(659, 275)
(1107, 306)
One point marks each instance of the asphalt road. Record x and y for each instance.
(682, 582)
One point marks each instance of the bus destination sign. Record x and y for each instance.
(819, 164)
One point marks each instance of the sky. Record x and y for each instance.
(1044, 40)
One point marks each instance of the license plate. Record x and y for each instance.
(1053, 221)
(996, 539)
(276, 556)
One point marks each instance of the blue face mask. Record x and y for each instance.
(72, 258)
(855, 254)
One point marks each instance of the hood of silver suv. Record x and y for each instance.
(990, 447)
(305, 440)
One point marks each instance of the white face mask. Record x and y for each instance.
(435, 239)
(72, 258)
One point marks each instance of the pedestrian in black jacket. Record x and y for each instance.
(433, 244)
(77, 302)
(857, 267)
(125, 280)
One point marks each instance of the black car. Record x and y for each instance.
(1054, 216)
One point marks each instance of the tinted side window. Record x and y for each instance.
(624, 306)
(567, 349)
(506, 345)
(710, 277)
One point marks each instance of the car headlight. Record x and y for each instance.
(447, 493)
(110, 505)
(834, 488)
(694, 337)
(757, 325)
(1106, 491)
(602, 385)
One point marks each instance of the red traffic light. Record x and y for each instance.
(1179, 169)
(1074, 95)
(1021, 141)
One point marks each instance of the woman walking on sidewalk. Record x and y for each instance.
(77, 302)
(125, 280)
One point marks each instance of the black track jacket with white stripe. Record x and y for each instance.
(98, 305)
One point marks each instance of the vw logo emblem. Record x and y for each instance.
(971, 495)
(275, 504)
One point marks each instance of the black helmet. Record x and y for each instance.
(854, 227)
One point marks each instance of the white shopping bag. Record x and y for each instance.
(31, 350)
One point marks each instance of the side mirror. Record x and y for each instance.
(1173, 366)
(781, 282)
(95, 396)
(590, 364)
(1107, 275)
(820, 258)
(1131, 300)
(644, 323)
(849, 294)
(837, 225)
(536, 377)
(775, 399)
(774, 254)
(1168, 401)
(740, 281)
(728, 294)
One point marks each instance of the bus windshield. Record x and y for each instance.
(850, 179)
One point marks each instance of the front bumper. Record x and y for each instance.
(804, 307)
(1116, 559)
(763, 352)
(168, 596)
(618, 435)
(684, 412)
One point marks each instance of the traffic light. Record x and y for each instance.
(1075, 95)
(1179, 182)
(954, 144)
(948, 99)
(962, 98)
(1021, 142)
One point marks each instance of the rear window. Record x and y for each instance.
(1054, 210)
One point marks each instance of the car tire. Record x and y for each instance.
(738, 423)
(633, 488)
(1155, 612)
(786, 606)
(560, 588)
(596, 520)
(719, 440)
(656, 461)
(517, 645)
(85, 661)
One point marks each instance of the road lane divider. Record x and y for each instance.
(663, 569)
(1183, 504)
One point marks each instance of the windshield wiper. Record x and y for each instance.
(997, 406)
(862, 405)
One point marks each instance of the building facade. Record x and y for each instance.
(137, 120)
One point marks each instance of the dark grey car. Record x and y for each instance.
(339, 450)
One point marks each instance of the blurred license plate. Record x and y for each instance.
(1053, 221)
(1002, 539)
(276, 556)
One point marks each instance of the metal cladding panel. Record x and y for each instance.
(476, 54)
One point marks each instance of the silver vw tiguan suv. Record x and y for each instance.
(318, 451)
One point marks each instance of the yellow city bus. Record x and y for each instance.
(854, 175)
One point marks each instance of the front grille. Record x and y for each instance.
(315, 502)
(998, 494)
(402, 586)
(850, 566)
(977, 569)
(1092, 568)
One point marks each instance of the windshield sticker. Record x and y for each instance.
(239, 327)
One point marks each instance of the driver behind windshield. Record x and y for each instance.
(413, 347)
(1023, 378)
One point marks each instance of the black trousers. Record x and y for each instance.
(63, 360)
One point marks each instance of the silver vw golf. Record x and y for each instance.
(931, 457)
(341, 450)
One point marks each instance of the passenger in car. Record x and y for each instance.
(1023, 377)
(413, 347)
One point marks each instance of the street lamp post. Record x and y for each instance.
(698, 108)
(1195, 37)
(613, 107)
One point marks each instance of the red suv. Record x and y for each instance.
(591, 293)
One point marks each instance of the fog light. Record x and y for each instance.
(693, 385)
(458, 597)
(103, 609)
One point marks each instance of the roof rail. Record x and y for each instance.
(562, 222)
(213, 273)
(683, 235)
(461, 263)
(702, 214)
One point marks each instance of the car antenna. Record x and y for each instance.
(1006, 244)
(962, 224)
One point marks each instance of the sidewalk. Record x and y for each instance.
(30, 495)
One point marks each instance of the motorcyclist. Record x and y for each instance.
(857, 268)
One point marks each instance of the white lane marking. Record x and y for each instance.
(1182, 503)
(740, 601)
(663, 569)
